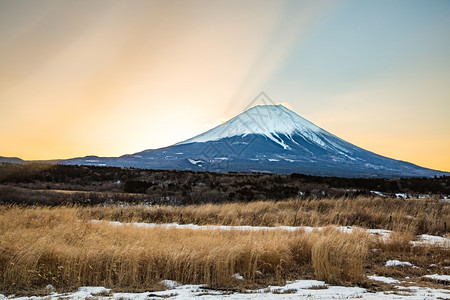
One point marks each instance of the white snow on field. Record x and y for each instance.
(347, 229)
(84, 292)
(439, 277)
(381, 233)
(432, 239)
(395, 263)
(388, 280)
(313, 289)
(238, 276)
(299, 289)
(170, 284)
(378, 193)
(401, 195)
(202, 227)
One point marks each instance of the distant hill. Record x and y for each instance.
(14, 160)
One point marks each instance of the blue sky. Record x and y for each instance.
(113, 77)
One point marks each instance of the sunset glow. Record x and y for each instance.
(109, 78)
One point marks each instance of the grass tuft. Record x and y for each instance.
(338, 257)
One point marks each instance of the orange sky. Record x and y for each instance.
(113, 77)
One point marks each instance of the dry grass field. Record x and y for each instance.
(424, 216)
(60, 246)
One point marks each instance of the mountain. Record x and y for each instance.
(14, 160)
(267, 138)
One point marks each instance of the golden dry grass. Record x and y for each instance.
(41, 246)
(415, 216)
(338, 257)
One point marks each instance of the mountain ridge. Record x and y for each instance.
(14, 160)
(267, 138)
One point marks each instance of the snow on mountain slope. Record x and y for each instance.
(270, 121)
(267, 138)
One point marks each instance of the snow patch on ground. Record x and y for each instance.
(84, 292)
(388, 280)
(395, 263)
(432, 239)
(311, 289)
(171, 284)
(438, 277)
(378, 193)
(401, 195)
(299, 289)
(88, 292)
(380, 233)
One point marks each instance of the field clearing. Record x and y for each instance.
(41, 246)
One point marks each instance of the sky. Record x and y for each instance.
(113, 77)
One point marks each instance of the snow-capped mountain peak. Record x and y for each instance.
(267, 138)
(271, 121)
